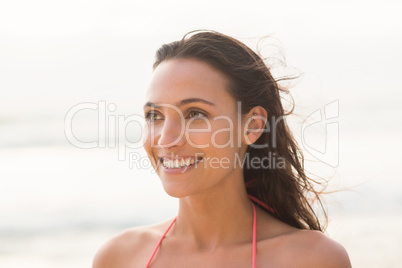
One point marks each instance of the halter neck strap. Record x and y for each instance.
(254, 238)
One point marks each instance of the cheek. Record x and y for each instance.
(209, 132)
(199, 140)
(226, 142)
(224, 135)
(219, 135)
(198, 135)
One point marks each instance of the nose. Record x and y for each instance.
(172, 134)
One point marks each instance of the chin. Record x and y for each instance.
(176, 193)
(177, 190)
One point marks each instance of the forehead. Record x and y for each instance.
(174, 80)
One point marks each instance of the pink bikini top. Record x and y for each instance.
(254, 238)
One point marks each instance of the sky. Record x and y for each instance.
(55, 54)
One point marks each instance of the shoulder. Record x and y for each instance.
(130, 248)
(288, 246)
(315, 249)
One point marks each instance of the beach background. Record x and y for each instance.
(59, 203)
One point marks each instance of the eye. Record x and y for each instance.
(196, 114)
(152, 116)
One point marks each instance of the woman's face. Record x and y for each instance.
(192, 135)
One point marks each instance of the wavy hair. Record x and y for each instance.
(288, 191)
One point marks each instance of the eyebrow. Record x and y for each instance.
(182, 102)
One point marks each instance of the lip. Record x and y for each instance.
(178, 171)
(177, 157)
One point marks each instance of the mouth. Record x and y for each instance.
(178, 163)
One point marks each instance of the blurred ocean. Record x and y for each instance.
(59, 203)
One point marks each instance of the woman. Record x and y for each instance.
(217, 137)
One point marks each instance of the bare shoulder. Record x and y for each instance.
(286, 246)
(130, 248)
(314, 249)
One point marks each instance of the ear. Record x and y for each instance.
(254, 124)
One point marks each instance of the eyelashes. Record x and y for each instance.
(150, 116)
(195, 112)
(153, 116)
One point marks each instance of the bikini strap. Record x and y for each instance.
(254, 238)
(160, 241)
(254, 235)
(259, 202)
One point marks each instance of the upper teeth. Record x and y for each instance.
(178, 163)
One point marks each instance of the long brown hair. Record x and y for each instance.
(289, 191)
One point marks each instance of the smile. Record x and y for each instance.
(179, 163)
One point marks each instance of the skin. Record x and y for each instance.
(214, 222)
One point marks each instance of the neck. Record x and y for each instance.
(217, 217)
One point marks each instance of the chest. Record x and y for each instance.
(179, 257)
